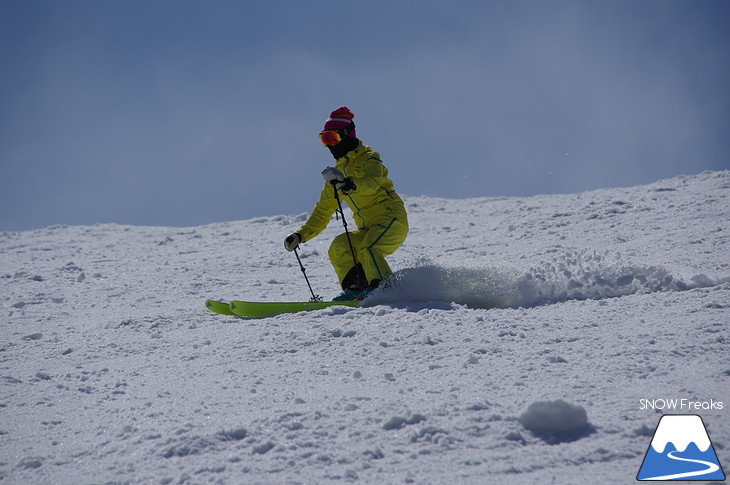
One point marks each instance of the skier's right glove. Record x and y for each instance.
(293, 241)
(336, 178)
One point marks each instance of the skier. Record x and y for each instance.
(361, 180)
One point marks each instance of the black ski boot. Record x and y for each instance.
(353, 284)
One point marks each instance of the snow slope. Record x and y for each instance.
(112, 370)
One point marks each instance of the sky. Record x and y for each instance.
(189, 112)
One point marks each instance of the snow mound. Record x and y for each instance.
(590, 274)
(556, 421)
(429, 282)
(567, 275)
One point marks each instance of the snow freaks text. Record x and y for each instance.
(687, 405)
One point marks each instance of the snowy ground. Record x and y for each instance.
(112, 370)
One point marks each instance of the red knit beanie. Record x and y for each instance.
(340, 119)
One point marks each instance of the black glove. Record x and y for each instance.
(336, 178)
(346, 186)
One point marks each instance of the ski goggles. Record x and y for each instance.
(330, 138)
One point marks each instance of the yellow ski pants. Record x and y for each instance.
(371, 247)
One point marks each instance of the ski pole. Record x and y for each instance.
(347, 233)
(304, 272)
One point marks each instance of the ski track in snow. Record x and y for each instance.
(112, 371)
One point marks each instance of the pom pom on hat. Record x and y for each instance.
(340, 119)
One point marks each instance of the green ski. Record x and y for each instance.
(260, 309)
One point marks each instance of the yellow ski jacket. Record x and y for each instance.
(373, 201)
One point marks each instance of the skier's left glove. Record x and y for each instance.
(336, 178)
(346, 186)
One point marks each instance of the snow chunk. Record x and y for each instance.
(233, 434)
(556, 421)
(398, 422)
(263, 448)
(187, 446)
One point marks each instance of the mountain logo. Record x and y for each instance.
(681, 450)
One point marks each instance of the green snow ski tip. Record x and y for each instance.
(219, 307)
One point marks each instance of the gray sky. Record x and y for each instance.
(187, 112)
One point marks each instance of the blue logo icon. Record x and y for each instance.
(681, 450)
